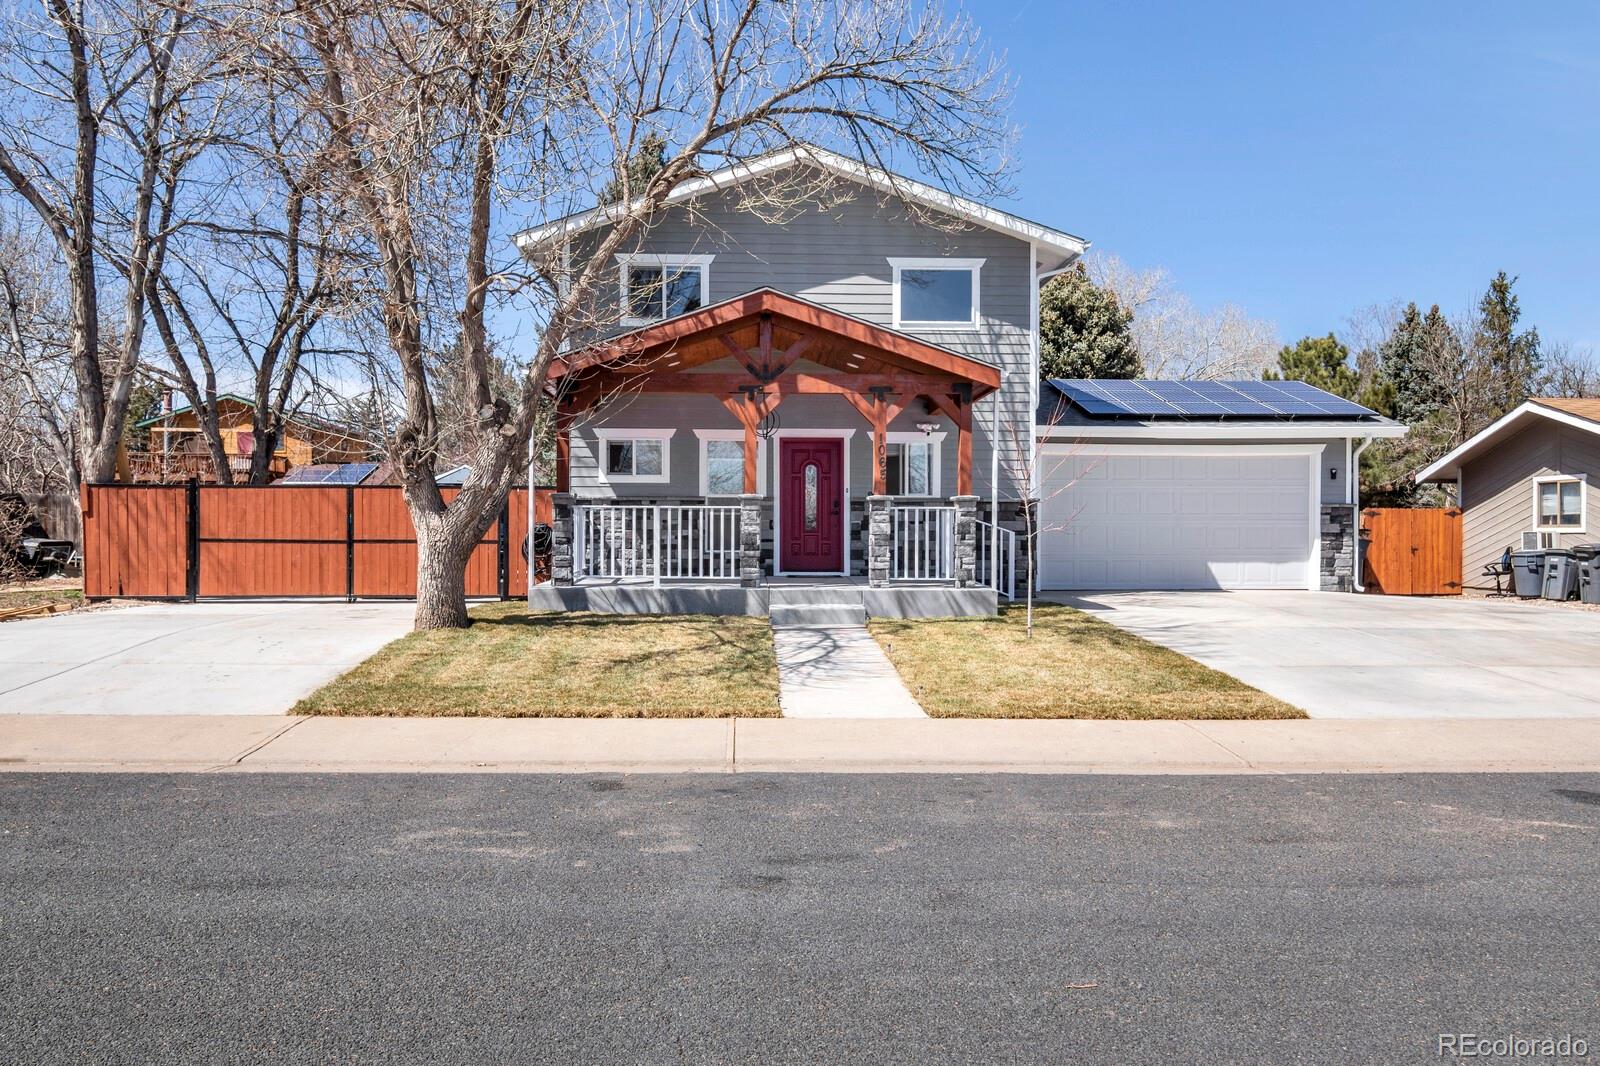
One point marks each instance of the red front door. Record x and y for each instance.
(811, 497)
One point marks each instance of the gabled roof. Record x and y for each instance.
(1066, 245)
(302, 418)
(1578, 413)
(676, 343)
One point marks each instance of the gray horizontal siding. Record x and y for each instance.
(1497, 491)
(797, 414)
(839, 257)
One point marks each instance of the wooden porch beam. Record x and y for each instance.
(750, 411)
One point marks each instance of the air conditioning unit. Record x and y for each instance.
(1538, 540)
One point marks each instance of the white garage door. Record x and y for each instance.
(1170, 520)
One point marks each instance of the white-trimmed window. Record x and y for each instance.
(911, 465)
(722, 462)
(1559, 502)
(936, 293)
(653, 287)
(635, 455)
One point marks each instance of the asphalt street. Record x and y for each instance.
(815, 918)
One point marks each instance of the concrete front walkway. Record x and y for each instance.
(569, 745)
(1362, 656)
(188, 658)
(837, 671)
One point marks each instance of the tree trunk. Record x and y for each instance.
(445, 543)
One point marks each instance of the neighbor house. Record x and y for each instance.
(1525, 476)
(847, 397)
(175, 450)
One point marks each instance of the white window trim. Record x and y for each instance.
(653, 259)
(1583, 503)
(935, 440)
(973, 266)
(606, 435)
(734, 435)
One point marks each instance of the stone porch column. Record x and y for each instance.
(879, 539)
(750, 514)
(561, 558)
(966, 561)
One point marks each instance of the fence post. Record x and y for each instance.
(192, 577)
(502, 540)
(350, 544)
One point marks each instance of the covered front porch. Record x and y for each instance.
(775, 510)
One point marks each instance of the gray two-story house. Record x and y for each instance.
(835, 403)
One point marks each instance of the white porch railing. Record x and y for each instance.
(656, 542)
(923, 543)
(988, 565)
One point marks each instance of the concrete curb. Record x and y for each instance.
(271, 743)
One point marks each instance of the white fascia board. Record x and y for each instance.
(1446, 467)
(1192, 431)
(874, 177)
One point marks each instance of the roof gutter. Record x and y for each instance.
(1354, 474)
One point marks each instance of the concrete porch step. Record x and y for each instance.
(817, 614)
(805, 595)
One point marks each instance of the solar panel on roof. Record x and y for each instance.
(1083, 394)
(350, 473)
(1214, 399)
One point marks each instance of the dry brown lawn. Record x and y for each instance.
(1076, 666)
(513, 663)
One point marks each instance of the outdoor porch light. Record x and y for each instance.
(927, 427)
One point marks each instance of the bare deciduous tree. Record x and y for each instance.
(450, 123)
(106, 100)
(1177, 339)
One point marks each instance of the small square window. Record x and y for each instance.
(640, 458)
(1560, 504)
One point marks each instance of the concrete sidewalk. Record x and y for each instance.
(191, 743)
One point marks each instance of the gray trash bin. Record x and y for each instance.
(1588, 558)
(1527, 573)
(1560, 575)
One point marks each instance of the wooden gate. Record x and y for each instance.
(232, 542)
(1412, 551)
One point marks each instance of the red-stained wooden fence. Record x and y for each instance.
(195, 542)
(1412, 551)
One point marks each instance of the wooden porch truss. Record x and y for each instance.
(878, 371)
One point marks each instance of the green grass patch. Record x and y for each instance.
(513, 663)
(1074, 666)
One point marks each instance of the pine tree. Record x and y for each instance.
(1510, 360)
(643, 165)
(1319, 361)
(1084, 331)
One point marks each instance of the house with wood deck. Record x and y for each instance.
(840, 406)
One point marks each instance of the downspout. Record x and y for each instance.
(1354, 474)
(994, 492)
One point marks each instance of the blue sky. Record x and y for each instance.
(1305, 160)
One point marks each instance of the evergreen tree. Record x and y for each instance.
(1510, 361)
(644, 164)
(1319, 361)
(1084, 331)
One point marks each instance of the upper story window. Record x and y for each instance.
(653, 287)
(1558, 503)
(936, 293)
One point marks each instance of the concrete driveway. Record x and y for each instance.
(1348, 656)
(190, 658)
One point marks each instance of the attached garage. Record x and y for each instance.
(1150, 485)
(1179, 517)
